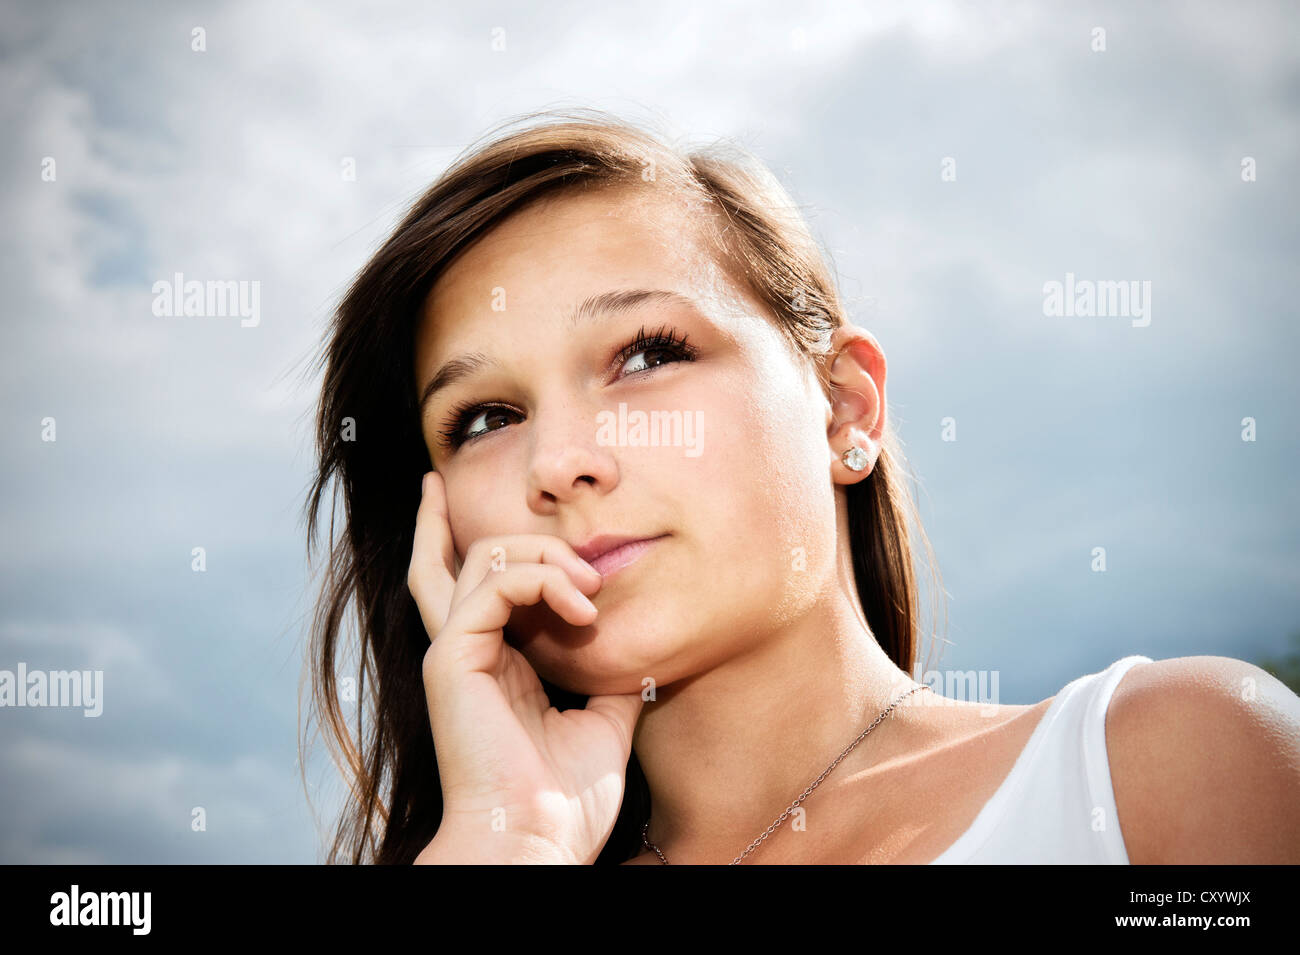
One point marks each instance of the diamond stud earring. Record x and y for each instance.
(855, 459)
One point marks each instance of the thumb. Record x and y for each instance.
(621, 709)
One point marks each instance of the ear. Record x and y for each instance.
(856, 406)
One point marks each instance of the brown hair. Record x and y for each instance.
(369, 441)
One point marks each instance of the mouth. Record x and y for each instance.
(612, 554)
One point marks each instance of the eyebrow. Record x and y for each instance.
(615, 302)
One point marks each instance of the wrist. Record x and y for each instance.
(456, 846)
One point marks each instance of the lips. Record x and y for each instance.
(609, 552)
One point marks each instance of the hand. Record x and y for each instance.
(521, 780)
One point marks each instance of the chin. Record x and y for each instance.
(593, 664)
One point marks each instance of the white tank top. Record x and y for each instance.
(1056, 806)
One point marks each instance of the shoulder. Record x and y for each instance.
(1205, 763)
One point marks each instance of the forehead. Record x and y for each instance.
(560, 249)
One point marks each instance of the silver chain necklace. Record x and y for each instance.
(806, 793)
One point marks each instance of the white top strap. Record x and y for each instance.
(1057, 805)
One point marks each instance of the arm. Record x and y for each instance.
(1205, 763)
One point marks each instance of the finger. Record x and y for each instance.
(494, 554)
(473, 635)
(432, 574)
(488, 606)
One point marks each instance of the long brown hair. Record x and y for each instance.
(369, 442)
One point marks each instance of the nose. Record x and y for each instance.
(566, 459)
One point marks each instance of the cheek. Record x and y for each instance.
(766, 453)
(467, 516)
(767, 487)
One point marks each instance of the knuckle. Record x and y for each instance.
(509, 583)
(531, 575)
(439, 659)
(481, 544)
(431, 663)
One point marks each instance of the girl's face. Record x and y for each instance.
(539, 434)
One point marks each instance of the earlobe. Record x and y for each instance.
(856, 462)
(855, 448)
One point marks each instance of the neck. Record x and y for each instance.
(726, 751)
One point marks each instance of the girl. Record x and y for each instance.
(654, 602)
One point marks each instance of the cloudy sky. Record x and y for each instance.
(1072, 432)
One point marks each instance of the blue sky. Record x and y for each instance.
(1072, 433)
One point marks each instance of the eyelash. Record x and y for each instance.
(665, 339)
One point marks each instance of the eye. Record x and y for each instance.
(664, 342)
(467, 414)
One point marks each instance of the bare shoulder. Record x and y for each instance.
(1205, 763)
